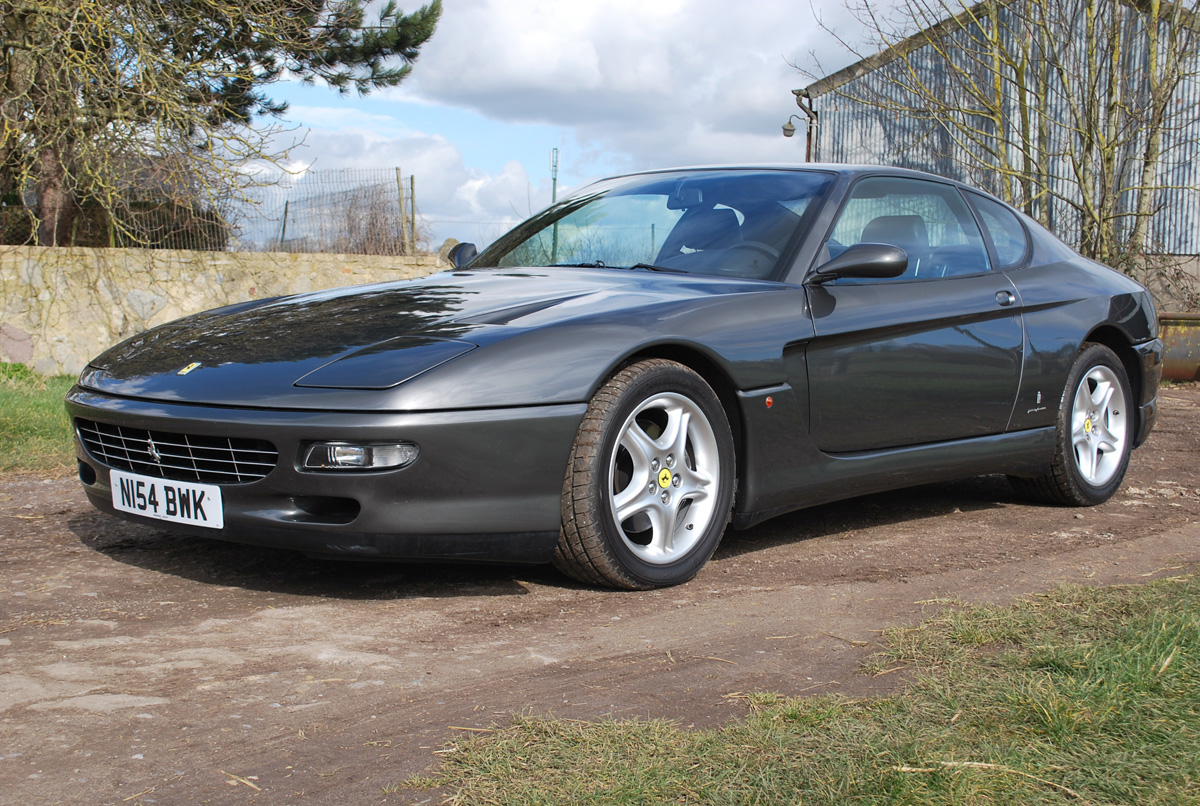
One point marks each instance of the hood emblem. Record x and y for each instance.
(188, 368)
(152, 449)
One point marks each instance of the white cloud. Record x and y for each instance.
(618, 64)
(634, 84)
(456, 200)
(342, 117)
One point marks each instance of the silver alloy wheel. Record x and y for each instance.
(663, 475)
(1099, 426)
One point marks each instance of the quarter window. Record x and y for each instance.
(928, 220)
(1005, 230)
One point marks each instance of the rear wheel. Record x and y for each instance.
(1095, 433)
(649, 486)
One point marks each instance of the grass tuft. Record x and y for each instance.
(1081, 695)
(35, 433)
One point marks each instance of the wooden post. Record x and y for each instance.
(403, 216)
(412, 200)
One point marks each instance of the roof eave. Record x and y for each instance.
(889, 54)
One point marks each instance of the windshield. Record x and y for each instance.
(722, 222)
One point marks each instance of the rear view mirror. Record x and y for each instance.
(685, 198)
(874, 261)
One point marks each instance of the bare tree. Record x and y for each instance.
(94, 91)
(1053, 105)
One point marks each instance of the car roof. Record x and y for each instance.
(827, 167)
(848, 170)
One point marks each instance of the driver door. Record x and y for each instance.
(932, 355)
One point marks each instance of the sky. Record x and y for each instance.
(614, 85)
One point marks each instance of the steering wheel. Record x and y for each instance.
(757, 246)
(757, 261)
(955, 261)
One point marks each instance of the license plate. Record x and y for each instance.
(166, 500)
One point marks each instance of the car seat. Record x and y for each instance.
(905, 231)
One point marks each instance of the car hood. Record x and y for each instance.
(289, 351)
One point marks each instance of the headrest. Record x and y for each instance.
(711, 229)
(905, 231)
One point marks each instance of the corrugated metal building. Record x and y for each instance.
(870, 113)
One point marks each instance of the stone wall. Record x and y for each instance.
(62, 306)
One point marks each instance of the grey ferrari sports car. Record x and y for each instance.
(612, 383)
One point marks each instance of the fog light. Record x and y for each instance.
(359, 456)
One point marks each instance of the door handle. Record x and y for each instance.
(1005, 298)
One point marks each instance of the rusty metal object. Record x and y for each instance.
(1181, 342)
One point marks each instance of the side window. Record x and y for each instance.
(928, 220)
(1005, 229)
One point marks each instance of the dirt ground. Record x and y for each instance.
(141, 667)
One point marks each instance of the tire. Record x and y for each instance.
(649, 487)
(1095, 434)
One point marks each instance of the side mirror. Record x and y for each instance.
(874, 261)
(461, 254)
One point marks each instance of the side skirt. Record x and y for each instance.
(834, 477)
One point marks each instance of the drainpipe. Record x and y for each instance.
(811, 131)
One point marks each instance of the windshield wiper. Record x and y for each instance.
(600, 264)
(652, 267)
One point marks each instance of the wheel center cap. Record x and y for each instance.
(664, 478)
(1087, 425)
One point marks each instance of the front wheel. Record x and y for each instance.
(649, 486)
(1095, 433)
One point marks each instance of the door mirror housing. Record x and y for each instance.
(875, 261)
(461, 254)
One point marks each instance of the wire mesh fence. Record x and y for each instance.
(360, 211)
(357, 211)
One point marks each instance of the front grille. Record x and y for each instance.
(180, 457)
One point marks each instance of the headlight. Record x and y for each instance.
(359, 456)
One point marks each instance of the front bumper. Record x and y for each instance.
(487, 485)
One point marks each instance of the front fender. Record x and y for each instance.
(565, 362)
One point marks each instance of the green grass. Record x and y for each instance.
(1080, 696)
(35, 433)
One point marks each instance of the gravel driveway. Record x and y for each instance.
(141, 667)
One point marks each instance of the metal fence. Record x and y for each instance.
(361, 211)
